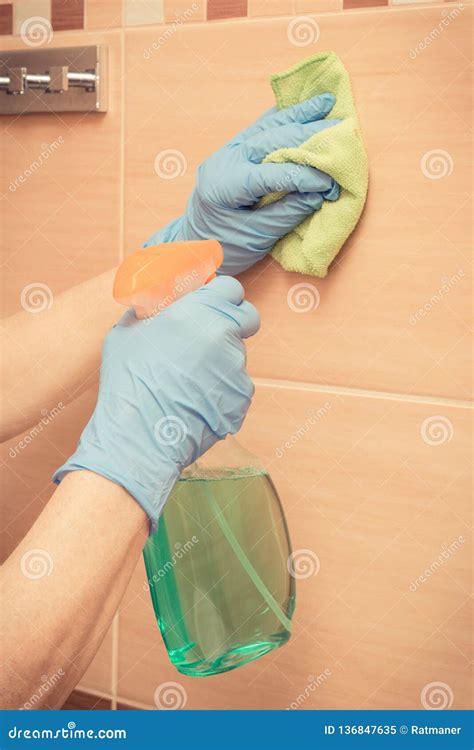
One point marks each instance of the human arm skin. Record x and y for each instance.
(53, 356)
(89, 537)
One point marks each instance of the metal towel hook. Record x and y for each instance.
(40, 81)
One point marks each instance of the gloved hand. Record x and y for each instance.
(170, 387)
(231, 182)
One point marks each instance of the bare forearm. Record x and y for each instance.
(63, 585)
(52, 356)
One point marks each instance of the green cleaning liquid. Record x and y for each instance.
(217, 571)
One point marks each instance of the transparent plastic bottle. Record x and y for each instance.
(217, 565)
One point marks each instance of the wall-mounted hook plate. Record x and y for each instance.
(63, 79)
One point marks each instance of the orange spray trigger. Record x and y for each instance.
(151, 279)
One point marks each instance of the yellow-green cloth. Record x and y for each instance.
(338, 151)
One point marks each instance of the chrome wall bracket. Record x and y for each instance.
(63, 79)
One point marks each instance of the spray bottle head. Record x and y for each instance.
(151, 279)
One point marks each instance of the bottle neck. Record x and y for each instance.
(227, 455)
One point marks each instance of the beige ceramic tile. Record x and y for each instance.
(400, 681)
(185, 11)
(270, 7)
(60, 188)
(291, 7)
(406, 254)
(316, 6)
(103, 14)
(376, 489)
(405, 2)
(23, 10)
(140, 12)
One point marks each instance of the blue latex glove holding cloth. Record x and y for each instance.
(231, 182)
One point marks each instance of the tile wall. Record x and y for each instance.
(379, 486)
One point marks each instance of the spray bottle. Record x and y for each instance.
(217, 565)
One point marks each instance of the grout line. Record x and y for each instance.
(292, 385)
(92, 691)
(137, 704)
(115, 656)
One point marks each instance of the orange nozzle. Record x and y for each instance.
(151, 279)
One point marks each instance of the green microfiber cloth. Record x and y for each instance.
(338, 151)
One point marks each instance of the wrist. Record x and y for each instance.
(148, 476)
(91, 489)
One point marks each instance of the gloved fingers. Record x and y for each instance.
(247, 390)
(242, 257)
(225, 295)
(287, 178)
(242, 388)
(255, 127)
(227, 287)
(260, 145)
(281, 217)
(332, 194)
(247, 317)
(312, 109)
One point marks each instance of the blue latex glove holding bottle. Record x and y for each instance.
(231, 182)
(170, 387)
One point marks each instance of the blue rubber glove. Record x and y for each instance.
(231, 182)
(170, 387)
